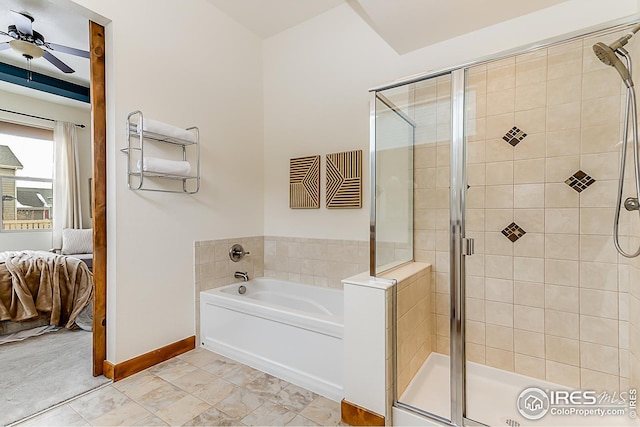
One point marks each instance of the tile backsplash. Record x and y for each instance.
(320, 262)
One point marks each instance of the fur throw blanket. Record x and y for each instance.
(32, 283)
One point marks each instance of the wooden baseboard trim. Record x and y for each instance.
(132, 366)
(355, 415)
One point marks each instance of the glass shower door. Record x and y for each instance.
(413, 133)
(547, 296)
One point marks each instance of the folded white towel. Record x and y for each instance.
(170, 167)
(160, 128)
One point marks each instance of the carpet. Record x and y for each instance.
(43, 371)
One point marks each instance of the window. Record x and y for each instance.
(26, 178)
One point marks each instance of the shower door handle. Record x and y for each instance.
(468, 246)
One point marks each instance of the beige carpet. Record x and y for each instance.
(43, 371)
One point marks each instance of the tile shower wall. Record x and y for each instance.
(413, 331)
(547, 294)
(320, 262)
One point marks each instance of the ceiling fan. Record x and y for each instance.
(31, 44)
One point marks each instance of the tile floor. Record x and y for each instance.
(198, 388)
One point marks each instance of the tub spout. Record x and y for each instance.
(241, 275)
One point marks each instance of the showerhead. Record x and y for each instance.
(607, 55)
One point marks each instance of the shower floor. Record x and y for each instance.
(491, 396)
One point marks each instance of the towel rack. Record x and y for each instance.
(138, 138)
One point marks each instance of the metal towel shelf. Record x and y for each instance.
(136, 178)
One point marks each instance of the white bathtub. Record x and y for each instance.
(290, 330)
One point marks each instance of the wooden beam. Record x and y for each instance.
(140, 363)
(99, 191)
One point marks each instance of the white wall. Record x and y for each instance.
(69, 111)
(184, 64)
(313, 79)
(316, 101)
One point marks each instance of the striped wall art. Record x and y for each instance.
(344, 180)
(304, 182)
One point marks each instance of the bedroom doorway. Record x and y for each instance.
(97, 171)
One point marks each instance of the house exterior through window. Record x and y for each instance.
(26, 177)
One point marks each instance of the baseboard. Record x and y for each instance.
(140, 363)
(355, 415)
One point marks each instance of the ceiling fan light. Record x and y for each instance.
(26, 48)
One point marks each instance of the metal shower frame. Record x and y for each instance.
(459, 245)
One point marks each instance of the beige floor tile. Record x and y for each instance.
(140, 384)
(194, 380)
(323, 411)
(199, 388)
(161, 397)
(242, 375)
(172, 369)
(124, 415)
(199, 357)
(215, 391)
(266, 385)
(239, 403)
(61, 416)
(220, 366)
(150, 421)
(98, 403)
(181, 411)
(213, 417)
(294, 398)
(269, 414)
(299, 420)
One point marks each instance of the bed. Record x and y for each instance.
(38, 287)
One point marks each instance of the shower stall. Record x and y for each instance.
(504, 175)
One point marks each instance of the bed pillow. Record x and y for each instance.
(77, 241)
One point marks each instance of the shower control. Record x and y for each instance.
(631, 204)
(237, 252)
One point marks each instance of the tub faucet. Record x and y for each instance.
(241, 275)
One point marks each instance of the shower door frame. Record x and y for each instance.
(460, 247)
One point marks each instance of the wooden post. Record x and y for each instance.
(99, 190)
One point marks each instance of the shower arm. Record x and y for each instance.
(624, 39)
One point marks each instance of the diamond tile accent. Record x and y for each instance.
(579, 181)
(513, 232)
(514, 136)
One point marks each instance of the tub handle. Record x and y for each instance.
(237, 252)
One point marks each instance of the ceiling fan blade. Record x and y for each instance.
(4, 46)
(67, 49)
(23, 23)
(56, 62)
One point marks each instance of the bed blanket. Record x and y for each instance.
(32, 283)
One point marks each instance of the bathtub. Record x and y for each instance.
(289, 330)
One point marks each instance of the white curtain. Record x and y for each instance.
(66, 181)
